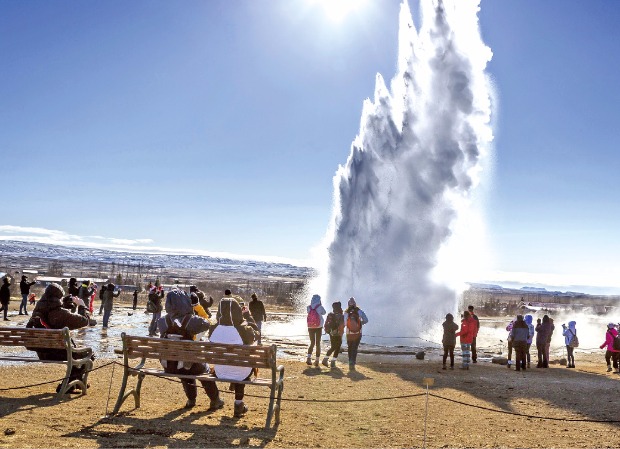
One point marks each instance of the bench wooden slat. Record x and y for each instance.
(35, 338)
(199, 352)
(160, 373)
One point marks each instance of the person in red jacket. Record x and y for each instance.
(467, 333)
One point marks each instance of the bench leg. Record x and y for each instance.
(272, 397)
(136, 394)
(121, 394)
(277, 407)
(64, 386)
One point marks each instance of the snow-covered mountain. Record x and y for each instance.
(17, 249)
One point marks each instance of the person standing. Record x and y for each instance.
(543, 334)
(156, 294)
(108, 302)
(449, 339)
(611, 353)
(5, 296)
(334, 327)
(519, 334)
(528, 320)
(474, 352)
(86, 293)
(314, 319)
(569, 333)
(509, 339)
(24, 288)
(135, 299)
(257, 310)
(354, 319)
(202, 300)
(104, 287)
(467, 333)
(74, 288)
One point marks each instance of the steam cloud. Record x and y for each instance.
(417, 157)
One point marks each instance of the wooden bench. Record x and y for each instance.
(48, 339)
(261, 357)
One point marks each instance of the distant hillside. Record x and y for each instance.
(14, 250)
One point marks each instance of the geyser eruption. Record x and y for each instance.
(415, 161)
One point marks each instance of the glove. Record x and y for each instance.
(78, 301)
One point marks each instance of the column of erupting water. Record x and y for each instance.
(417, 156)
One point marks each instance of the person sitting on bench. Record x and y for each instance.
(49, 313)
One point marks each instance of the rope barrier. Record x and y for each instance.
(52, 381)
(506, 412)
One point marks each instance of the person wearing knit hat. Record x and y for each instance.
(315, 312)
(257, 310)
(354, 319)
(611, 354)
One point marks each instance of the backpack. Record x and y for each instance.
(574, 342)
(314, 319)
(354, 323)
(617, 342)
(177, 327)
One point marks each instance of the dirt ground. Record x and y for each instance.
(380, 405)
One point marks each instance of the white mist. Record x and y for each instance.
(403, 200)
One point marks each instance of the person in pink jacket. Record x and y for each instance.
(611, 353)
(469, 327)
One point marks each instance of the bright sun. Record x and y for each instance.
(337, 10)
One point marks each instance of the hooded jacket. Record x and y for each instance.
(569, 332)
(449, 331)
(229, 313)
(49, 309)
(528, 320)
(610, 335)
(315, 303)
(179, 308)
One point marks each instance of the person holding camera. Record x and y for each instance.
(24, 288)
(108, 302)
(50, 313)
(570, 333)
(543, 335)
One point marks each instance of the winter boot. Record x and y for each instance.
(316, 362)
(444, 366)
(216, 404)
(309, 360)
(333, 363)
(325, 360)
(609, 368)
(240, 409)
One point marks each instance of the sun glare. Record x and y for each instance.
(337, 10)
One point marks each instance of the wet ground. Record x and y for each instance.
(288, 332)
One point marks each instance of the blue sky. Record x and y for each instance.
(218, 126)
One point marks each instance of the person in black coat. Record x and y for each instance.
(24, 288)
(5, 296)
(257, 310)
